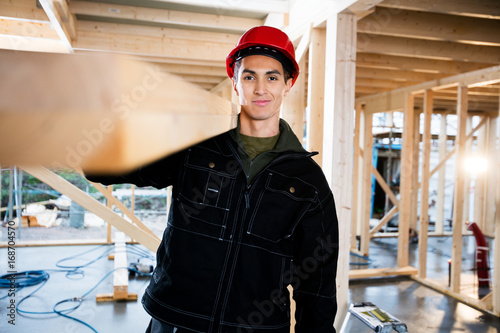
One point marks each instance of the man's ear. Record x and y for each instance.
(288, 86)
(234, 87)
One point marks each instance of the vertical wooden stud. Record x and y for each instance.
(356, 180)
(367, 183)
(424, 188)
(491, 152)
(406, 181)
(459, 195)
(316, 92)
(443, 138)
(294, 104)
(110, 206)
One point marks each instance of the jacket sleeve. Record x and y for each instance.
(315, 268)
(159, 174)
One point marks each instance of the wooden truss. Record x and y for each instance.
(411, 100)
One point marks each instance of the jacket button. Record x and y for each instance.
(292, 189)
(211, 165)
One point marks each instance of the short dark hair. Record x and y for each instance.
(256, 50)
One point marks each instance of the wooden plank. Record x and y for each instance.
(384, 185)
(432, 26)
(356, 183)
(109, 204)
(406, 182)
(459, 195)
(206, 21)
(415, 172)
(384, 61)
(57, 23)
(474, 302)
(120, 275)
(495, 160)
(387, 217)
(316, 92)
(257, 6)
(22, 9)
(424, 189)
(489, 9)
(100, 111)
(108, 193)
(338, 128)
(395, 99)
(294, 105)
(410, 47)
(381, 272)
(491, 184)
(367, 183)
(92, 205)
(27, 29)
(439, 226)
(480, 180)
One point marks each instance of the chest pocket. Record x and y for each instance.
(280, 206)
(205, 192)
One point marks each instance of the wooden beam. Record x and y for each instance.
(28, 29)
(491, 174)
(83, 199)
(223, 23)
(120, 274)
(356, 183)
(316, 92)
(431, 26)
(415, 171)
(419, 48)
(406, 182)
(153, 41)
(109, 228)
(384, 185)
(387, 217)
(57, 23)
(367, 183)
(399, 75)
(112, 201)
(458, 200)
(384, 61)
(256, 6)
(22, 9)
(22, 43)
(337, 136)
(294, 106)
(495, 160)
(96, 110)
(381, 272)
(424, 189)
(442, 146)
(474, 302)
(489, 9)
(394, 100)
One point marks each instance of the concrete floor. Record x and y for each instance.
(421, 308)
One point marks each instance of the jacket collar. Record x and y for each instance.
(287, 142)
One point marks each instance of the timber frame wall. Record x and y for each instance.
(405, 99)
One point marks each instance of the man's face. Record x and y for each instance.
(261, 87)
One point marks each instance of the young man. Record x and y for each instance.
(251, 213)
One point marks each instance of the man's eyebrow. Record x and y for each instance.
(273, 71)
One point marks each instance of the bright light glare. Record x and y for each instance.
(476, 164)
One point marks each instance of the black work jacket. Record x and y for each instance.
(230, 249)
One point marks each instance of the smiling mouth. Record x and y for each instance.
(261, 102)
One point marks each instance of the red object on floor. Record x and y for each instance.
(483, 271)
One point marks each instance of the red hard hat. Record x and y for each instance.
(264, 40)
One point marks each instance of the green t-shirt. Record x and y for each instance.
(254, 146)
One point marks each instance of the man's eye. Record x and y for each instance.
(248, 78)
(272, 78)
